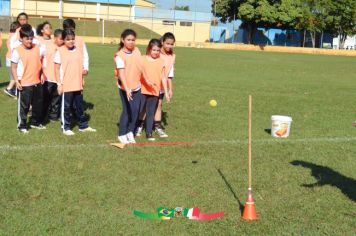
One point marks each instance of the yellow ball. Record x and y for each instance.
(213, 103)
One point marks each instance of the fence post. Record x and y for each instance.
(103, 32)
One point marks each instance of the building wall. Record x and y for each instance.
(188, 26)
(72, 9)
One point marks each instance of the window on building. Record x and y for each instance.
(168, 22)
(186, 23)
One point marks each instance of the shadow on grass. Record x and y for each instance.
(241, 206)
(327, 176)
(164, 119)
(3, 84)
(268, 131)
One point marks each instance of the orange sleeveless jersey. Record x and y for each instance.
(31, 61)
(49, 70)
(169, 60)
(72, 68)
(132, 68)
(153, 70)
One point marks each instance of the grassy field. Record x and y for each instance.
(303, 185)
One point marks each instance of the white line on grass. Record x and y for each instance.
(218, 142)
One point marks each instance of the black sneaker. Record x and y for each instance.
(150, 137)
(10, 92)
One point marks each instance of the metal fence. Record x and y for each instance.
(101, 19)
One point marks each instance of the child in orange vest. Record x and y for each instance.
(169, 58)
(26, 68)
(69, 73)
(154, 78)
(51, 98)
(10, 90)
(128, 75)
(79, 43)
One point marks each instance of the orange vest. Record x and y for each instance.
(132, 68)
(49, 70)
(32, 65)
(152, 71)
(72, 67)
(169, 60)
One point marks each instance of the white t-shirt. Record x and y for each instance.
(15, 58)
(120, 64)
(171, 73)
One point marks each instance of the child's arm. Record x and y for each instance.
(86, 60)
(123, 80)
(14, 75)
(15, 58)
(164, 83)
(120, 67)
(43, 61)
(170, 82)
(57, 65)
(59, 82)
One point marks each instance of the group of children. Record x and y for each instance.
(143, 82)
(47, 75)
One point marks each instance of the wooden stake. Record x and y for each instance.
(249, 141)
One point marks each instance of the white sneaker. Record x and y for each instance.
(24, 131)
(161, 133)
(88, 129)
(130, 137)
(38, 126)
(139, 131)
(123, 139)
(68, 132)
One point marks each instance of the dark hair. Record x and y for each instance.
(58, 32)
(151, 44)
(40, 28)
(124, 34)
(21, 14)
(67, 32)
(168, 35)
(13, 26)
(26, 31)
(68, 24)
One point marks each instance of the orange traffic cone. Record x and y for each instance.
(250, 208)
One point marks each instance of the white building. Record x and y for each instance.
(350, 43)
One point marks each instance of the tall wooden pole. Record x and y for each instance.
(249, 142)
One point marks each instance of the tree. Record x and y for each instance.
(342, 19)
(314, 19)
(181, 8)
(258, 13)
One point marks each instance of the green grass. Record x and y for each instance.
(94, 28)
(56, 185)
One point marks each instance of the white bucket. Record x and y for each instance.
(281, 126)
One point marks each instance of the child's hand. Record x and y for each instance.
(83, 82)
(170, 94)
(85, 72)
(168, 99)
(18, 85)
(129, 95)
(60, 89)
